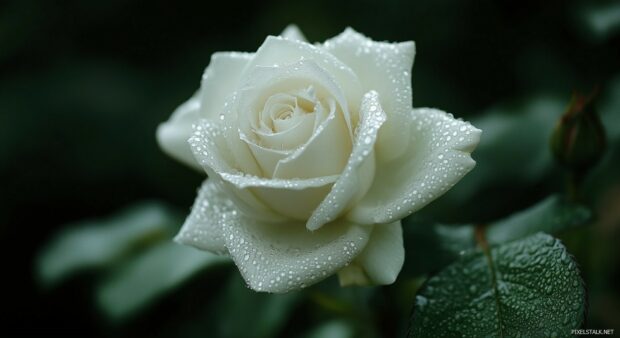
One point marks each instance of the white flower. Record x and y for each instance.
(314, 155)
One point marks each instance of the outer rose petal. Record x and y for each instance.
(221, 79)
(292, 32)
(276, 51)
(283, 257)
(381, 260)
(173, 134)
(438, 154)
(385, 68)
(222, 76)
(201, 228)
(357, 175)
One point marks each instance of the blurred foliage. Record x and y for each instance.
(83, 86)
(97, 244)
(145, 277)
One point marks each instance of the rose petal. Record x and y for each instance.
(212, 151)
(263, 82)
(201, 228)
(357, 175)
(293, 137)
(324, 154)
(283, 257)
(267, 158)
(173, 134)
(292, 32)
(293, 198)
(227, 151)
(438, 154)
(276, 51)
(295, 203)
(385, 68)
(262, 198)
(208, 143)
(246, 181)
(220, 80)
(381, 260)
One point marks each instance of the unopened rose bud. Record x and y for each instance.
(578, 140)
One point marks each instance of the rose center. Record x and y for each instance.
(284, 111)
(287, 117)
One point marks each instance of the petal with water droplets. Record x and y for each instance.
(201, 228)
(293, 198)
(386, 68)
(284, 257)
(359, 170)
(438, 155)
(212, 151)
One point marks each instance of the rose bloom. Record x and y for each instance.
(313, 154)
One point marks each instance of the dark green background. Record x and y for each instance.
(84, 84)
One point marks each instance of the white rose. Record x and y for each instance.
(314, 155)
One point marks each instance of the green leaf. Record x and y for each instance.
(433, 246)
(98, 243)
(527, 288)
(150, 275)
